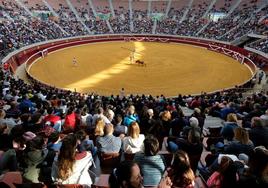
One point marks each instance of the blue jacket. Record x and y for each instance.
(130, 118)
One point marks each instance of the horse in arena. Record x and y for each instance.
(139, 62)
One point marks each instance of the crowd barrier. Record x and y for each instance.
(29, 55)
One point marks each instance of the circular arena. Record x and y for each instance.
(170, 69)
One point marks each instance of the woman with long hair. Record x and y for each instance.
(180, 172)
(99, 129)
(227, 130)
(226, 176)
(240, 144)
(133, 143)
(71, 167)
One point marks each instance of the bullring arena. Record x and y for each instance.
(171, 69)
(134, 93)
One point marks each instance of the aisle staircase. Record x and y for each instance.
(209, 8)
(186, 11)
(131, 25)
(77, 16)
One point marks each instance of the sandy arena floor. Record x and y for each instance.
(170, 69)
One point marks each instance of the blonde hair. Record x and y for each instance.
(134, 130)
(241, 135)
(232, 117)
(99, 130)
(165, 115)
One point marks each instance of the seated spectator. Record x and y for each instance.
(11, 159)
(258, 132)
(4, 137)
(133, 143)
(70, 123)
(110, 115)
(119, 128)
(226, 176)
(152, 164)
(256, 112)
(71, 167)
(230, 108)
(194, 124)
(108, 143)
(240, 144)
(180, 171)
(35, 154)
(9, 122)
(195, 103)
(84, 143)
(215, 110)
(100, 114)
(131, 116)
(264, 118)
(26, 106)
(256, 175)
(178, 122)
(200, 116)
(53, 119)
(14, 111)
(99, 129)
(148, 121)
(86, 118)
(192, 145)
(36, 123)
(54, 142)
(164, 123)
(227, 130)
(126, 175)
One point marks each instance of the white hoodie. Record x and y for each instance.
(131, 145)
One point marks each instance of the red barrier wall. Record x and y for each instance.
(22, 56)
(31, 54)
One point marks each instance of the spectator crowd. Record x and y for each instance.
(56, 137)
(18, 28)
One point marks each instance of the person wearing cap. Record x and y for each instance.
(194, 123)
